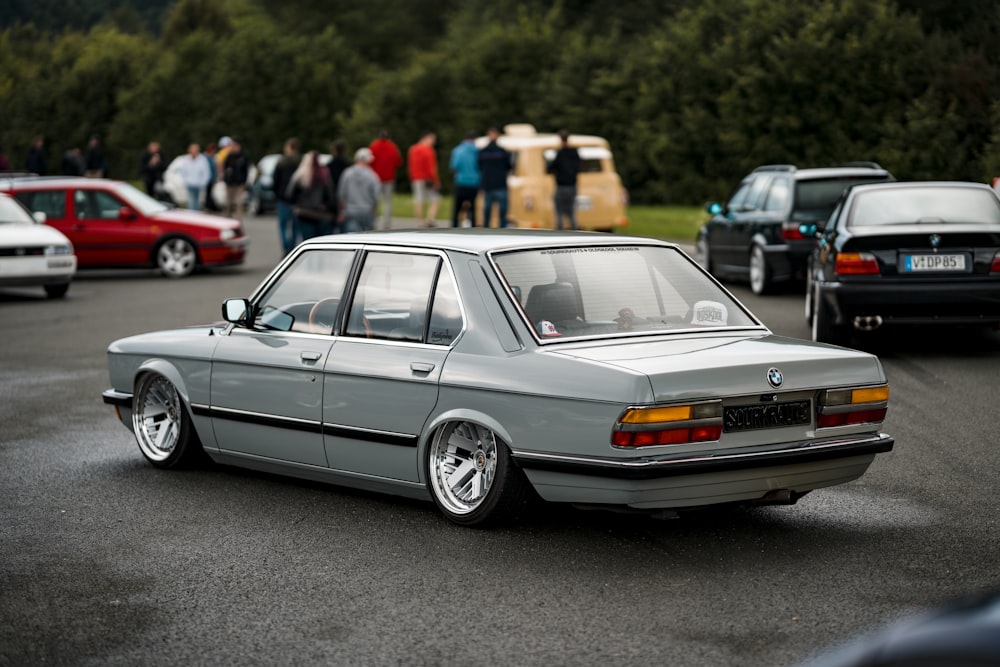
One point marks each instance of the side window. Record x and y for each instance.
(306, 298)
(777, 196)
(446, 315)
(393, 296)
(755, 198)
(51, 202)
(96, 205)
(739, 199)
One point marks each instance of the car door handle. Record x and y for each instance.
(421, 367)
(310, 356)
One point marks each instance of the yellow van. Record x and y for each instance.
(600, 197)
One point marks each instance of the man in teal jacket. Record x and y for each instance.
(465, 164)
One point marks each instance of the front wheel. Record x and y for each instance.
(176, 257)
(472, 476)
(162, 425)
(56, 291)
(760, 272)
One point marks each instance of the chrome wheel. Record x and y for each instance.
(759, 279)
(176, 257)
(161, 424)
(463, 466)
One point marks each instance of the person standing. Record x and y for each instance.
(72, 162)
(421, 162)
(289, 230)
(213, 168)
(151, 167)
(388, 159)
(314, 197)
(565, 167)
(495, 164)
(34, 161)
(465, 163)
(95, 165)
(235, 172)
(358, 193)
(195, 172)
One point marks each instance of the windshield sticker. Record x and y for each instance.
(710, 314)
(547, 330)
(614, 248)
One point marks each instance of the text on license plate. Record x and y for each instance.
(766, 415)
(933, 262)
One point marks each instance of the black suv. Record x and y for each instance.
(762, 233)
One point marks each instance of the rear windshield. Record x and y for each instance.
(591, 158)
(573, 292)
(901, 206)
(815, 199)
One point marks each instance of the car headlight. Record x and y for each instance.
(58, 250)
(227, 234)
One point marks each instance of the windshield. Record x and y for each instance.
(896, 206)
(12, 213)
(139, 200)
(599, 290)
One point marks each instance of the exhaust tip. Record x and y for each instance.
(867, 322)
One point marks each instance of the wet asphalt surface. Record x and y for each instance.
(106, 561)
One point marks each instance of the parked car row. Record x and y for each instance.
(33, 253)
(111, 224)
(872, 252)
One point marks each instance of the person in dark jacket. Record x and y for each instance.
(72, 162)
(151, 166)
(565, 167)
(495, 164)
(95, 165)
(34, 161)
(235, 172)
(289, 230)
(314, 194)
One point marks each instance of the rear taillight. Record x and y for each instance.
(856, 264)
(995, 266)
(668, 425)
(847, 407)
(792, 231)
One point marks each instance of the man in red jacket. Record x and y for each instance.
(421, 160)
(387, 160)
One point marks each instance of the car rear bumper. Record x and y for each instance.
(914, 302)
(705, 479)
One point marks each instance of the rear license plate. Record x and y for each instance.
(766, 415)
(933, 263)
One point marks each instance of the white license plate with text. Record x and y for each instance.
(933, 263)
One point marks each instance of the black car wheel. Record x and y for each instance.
(161, 424)
(56, 291)
(472, 476)
(760, 272)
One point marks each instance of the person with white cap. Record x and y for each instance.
(358, 193)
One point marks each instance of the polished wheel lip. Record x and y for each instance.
(463, 463)
(176, 257)
(156, 417)
(758, 270)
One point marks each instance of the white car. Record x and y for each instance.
(173, 185)
(32, 253)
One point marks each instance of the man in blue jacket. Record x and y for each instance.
(465, 164)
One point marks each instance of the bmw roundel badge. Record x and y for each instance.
(774, 377)
(935, 240)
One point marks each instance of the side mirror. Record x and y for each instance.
(125, 213)
(40, 217)
(715, 208)
(236, 311)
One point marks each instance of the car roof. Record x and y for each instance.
(49, 181)
(480, 240)
(847, 170)
(895, 185)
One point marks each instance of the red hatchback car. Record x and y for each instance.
(113, 224)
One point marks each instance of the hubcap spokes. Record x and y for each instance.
(465, 466)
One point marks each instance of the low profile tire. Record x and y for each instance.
(760, 272)
(810, 299)
(162, 425)
(176, 257)
(472, 476)
(824, 330)
(56, 291)
(703, 254)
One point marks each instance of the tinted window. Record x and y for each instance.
(446, 315)
(600, 290)
(935, 204)
(94, 205)
(815, 199)
(50, 202)
(307, 296)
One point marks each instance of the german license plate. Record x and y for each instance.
(766, 415)
(933, 263)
